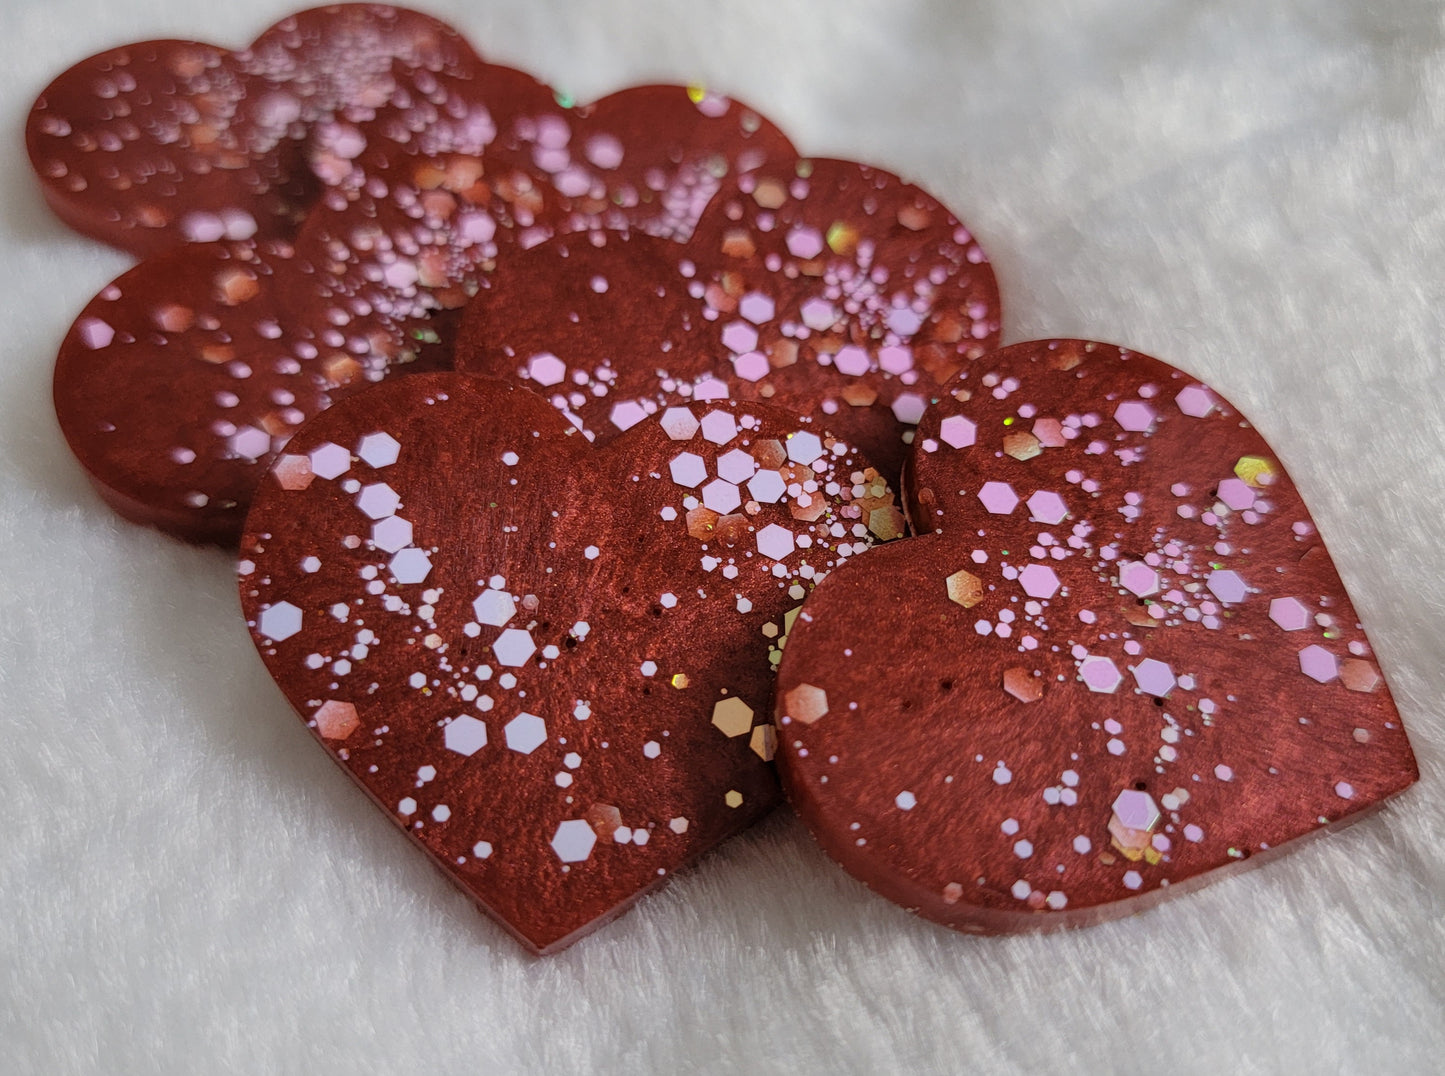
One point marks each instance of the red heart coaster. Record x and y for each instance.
(653, 157)
(179, 381)
(1122, 662)
(549, 663)
(162, 142)
(646, 157)
(349, 60)
(826, 287)
(138, 147)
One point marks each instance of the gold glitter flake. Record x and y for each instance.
(1256, 470)
(701, 522)
(770, 194)
(1133, 843)
(770, 454)
(604, 818)
(886, 523)
(731, 529)
(1359, 675)
(733, 717)
(738, 244)
(1140, 618)
(680, 681)
(811, 511)
(1068, 355)
(293, 472)
(914, 217)
(965, 588)
(764, 742)
(341, 369)
(782, 353)
(172, 318)
(842, 238)
(1022, 445)
(734, 798)
(235, 285)
(1023, 685)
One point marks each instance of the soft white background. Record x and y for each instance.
(1250, 190)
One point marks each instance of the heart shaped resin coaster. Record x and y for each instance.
(181, 380)
(163, 142)
(1122, 662)
(647, 157)
(825, 287)
(550, 664)
(653, 157)
(139, 147)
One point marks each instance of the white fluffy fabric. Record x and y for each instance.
(1251, 191)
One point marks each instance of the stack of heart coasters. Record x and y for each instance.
(556, 437)
(313, 213)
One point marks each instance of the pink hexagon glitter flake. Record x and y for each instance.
(1134, 415)
(956, 432)
(1100, 674)
(1138, 578)
(1206, 692)
(1319, 664)
(1290, 614)
(1154, 677)
(998, 497)
(1237, 494)
(1194, 401)
(1136, 809)
(1045, 506)
(1227, 586)
(1039, 581)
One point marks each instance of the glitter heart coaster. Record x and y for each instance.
(445, 580)
(1118, 663)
